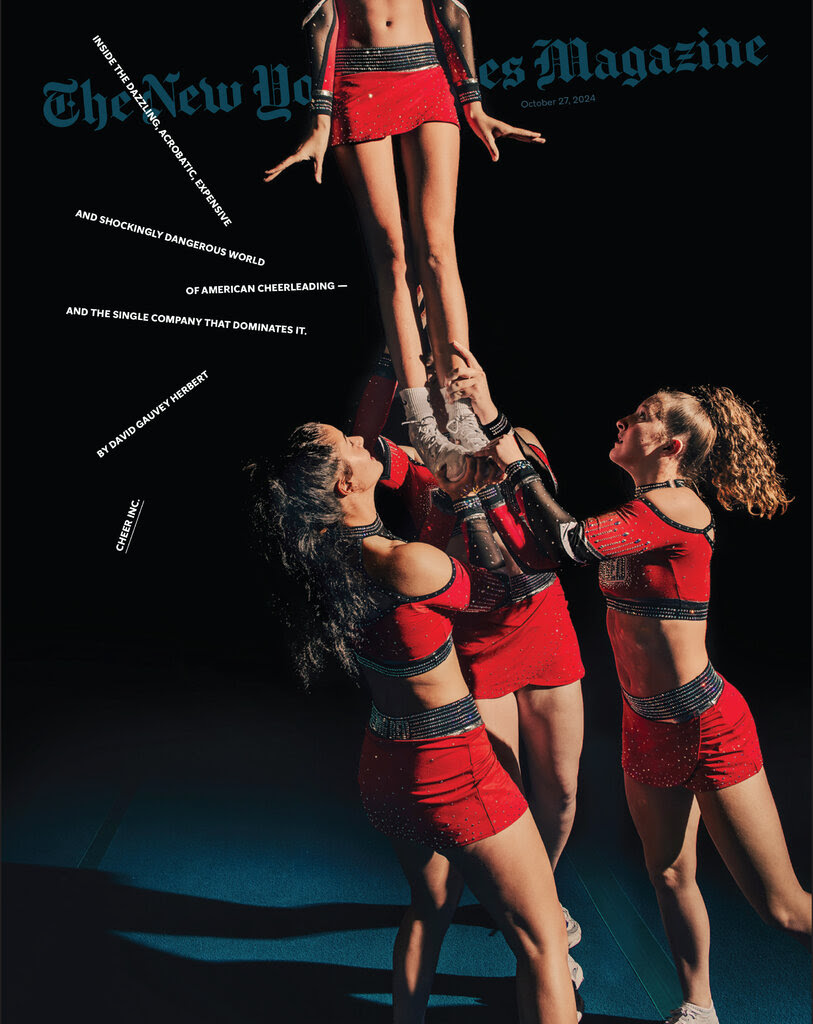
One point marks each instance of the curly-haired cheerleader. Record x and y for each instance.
(690, 747)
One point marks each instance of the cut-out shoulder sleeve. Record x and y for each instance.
(427, 575)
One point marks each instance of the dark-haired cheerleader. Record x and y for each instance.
(393, 68)
(690, 747)
(429, 778)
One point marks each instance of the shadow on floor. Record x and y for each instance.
(66, 962)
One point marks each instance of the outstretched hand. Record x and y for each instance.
(313, 148)
(470, 381)
(489, 129)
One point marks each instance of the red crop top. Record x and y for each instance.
(412, 635)
(651, 565)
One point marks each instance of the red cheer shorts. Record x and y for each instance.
(531, 643)
(440, 793)
(717, 749)
(371, 105)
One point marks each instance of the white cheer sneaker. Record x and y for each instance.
(573, 928)
(691, 1013)
(436, 450)
(463, 426)
(576, 972)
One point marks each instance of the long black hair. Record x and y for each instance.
(295, 514)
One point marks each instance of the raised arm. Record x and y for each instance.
(321, 23)
(482, 550)
(627, 530)
(411, 479)
(515, 532)
(454, 29)
(560, 535)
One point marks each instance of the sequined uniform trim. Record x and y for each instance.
(684, 702)
(525, 586)
(469, 92)
(414, 57)
(403, 669)
(450, 720)
(322, 102)
(520, 471)
(677, 482)
(497, 427)
(491, 497)
(660, 607)
(368, 530)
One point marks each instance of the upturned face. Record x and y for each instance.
(361, 470)
(640, 436)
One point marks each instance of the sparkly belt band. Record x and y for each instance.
(415, 57)
(524, 586)
(684, 702)
(660, 607)
(416, 667)
(529, 583)
(450, 720)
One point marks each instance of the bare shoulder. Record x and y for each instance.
(529, 436)
(416, 569)
(683, 505)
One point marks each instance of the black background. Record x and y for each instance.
(658, 238)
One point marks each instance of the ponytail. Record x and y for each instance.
(727, 445)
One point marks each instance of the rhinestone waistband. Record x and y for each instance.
(660, 607)
(684, 702)
(528, 584)
(415, 57)
(450, 720)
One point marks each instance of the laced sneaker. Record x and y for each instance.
(691, 1013)
(463, 426)
(576, 972)
(437, 451)
(574, 929)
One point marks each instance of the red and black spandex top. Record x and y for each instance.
(411, 635)
(325, 23)
(435, 521)
(434, 524)
(649, 564)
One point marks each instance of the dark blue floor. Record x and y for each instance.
(207, 859)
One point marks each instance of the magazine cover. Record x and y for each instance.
(590, 223)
